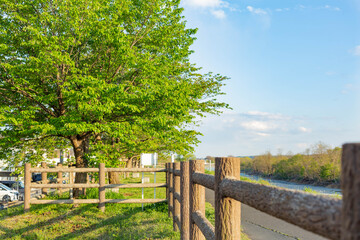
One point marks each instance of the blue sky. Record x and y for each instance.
(294, 73)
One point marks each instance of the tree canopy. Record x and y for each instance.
(107, 77)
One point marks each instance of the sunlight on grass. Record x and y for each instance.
(120, 221)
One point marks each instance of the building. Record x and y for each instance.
(60, 156)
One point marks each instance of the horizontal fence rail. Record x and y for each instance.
(204, 225)
(55, 170)
(135, 170)
(60, 185)
(96, 185)
(136, 185)
(205, 180)
(84, 170)
(80, 201)
(326, 216)
(44, 185)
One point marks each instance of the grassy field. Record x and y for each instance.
(86, 222)
(119, 221)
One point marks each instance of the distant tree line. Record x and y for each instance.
(319, 163)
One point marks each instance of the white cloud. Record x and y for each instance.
(258, 125)
(259, 114)
(215, 7)
(220, 14)
(258, 11)
(261, 134)
(304, 129)
(302, 145)
(263, 16)
(204, 3)
(229, 120)
(301, 6)
(282, 9)
(253, 132)
(332, 8)
(356, 50)
(326, 7)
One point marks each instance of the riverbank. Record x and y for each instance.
(310, 188)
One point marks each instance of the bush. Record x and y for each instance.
(325, 171)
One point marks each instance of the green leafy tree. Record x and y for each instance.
(102, 76)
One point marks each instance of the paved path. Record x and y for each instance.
(261, 226)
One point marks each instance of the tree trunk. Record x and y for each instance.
(114, 178)
(81, 148)
(129, 165)
(137, 162)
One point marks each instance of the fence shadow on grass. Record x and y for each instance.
(124, 217)
(11, 212)
(87, 211)
(12, 233)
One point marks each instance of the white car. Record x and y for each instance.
(7, 194)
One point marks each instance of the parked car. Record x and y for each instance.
(51, 179)
(16, 185)
(36, 178)
(7, 194)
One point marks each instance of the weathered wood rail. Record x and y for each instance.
(101, 185)
(331, 218)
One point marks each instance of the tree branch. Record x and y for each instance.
(134, 42)
(27, 95)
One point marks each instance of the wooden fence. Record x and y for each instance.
(332, 218)
(101, 185)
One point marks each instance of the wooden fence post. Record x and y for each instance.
(171, 190)
(102, 187)
(27, 190)
(71, 181)
(184, 193)
(44, 179)
(168, 187)
(227, 210)
(176, 203)
(59, 178)
(350, 186)
(197, 198)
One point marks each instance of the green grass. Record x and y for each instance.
(87, 222)
(119, 221)
(312, 191)
(309, 190)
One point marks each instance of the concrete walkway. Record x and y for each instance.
(261, 226)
